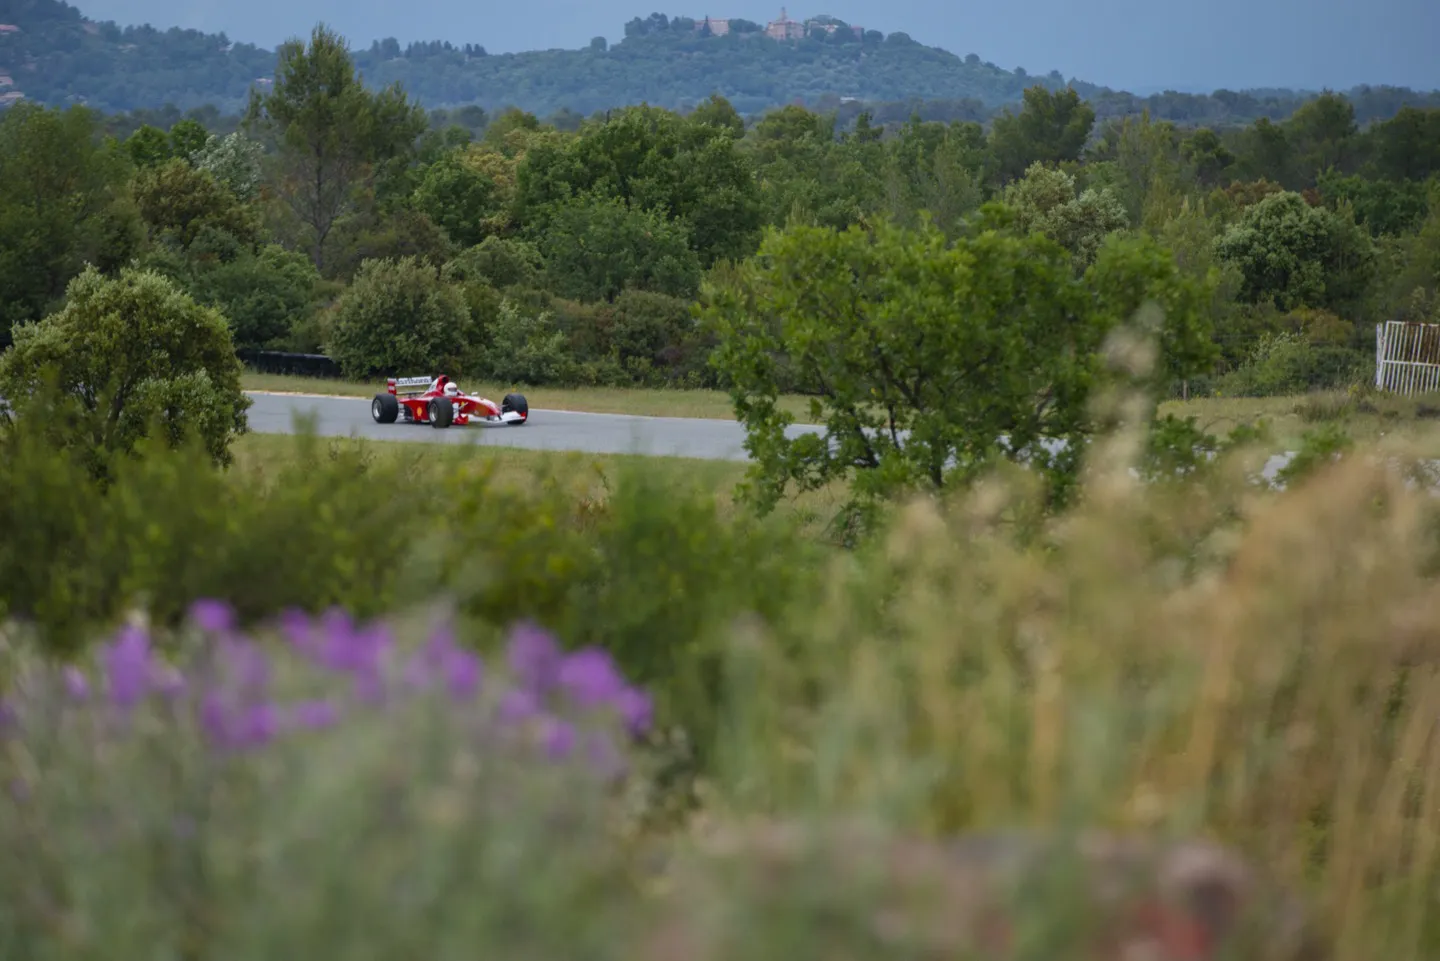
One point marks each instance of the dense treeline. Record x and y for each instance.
(58, 57)
(512, 249)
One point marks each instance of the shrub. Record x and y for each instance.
(1281, 364)
(595, 248)
(397, 316)
(247, 795)
(499, 262)
(126, 354)
(526, 348)
(458, 198)
(325, 528)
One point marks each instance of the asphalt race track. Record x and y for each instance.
(554, 430)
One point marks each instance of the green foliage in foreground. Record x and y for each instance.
(334, 525)
(1179, 656)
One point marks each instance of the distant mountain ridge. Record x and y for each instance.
(51, 53)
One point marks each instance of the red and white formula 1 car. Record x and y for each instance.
(439, 402)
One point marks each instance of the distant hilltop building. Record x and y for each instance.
(781, 29)
(787, 29)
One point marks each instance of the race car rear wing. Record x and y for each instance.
(408, 385)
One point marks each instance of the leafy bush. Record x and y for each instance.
(396, 316)
(178, 201)
(458, 198)
(497, 261)
(239, 797)
(325, 528)
(526, 348)
(127, 354)
(1289, 363)
(596, 248)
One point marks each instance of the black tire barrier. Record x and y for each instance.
(281, 362)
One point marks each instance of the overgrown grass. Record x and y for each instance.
(261, 458)
(1367, 416)
(1197, 658)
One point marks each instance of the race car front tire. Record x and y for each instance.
(516, 403)
(385, 408)
(441, 413)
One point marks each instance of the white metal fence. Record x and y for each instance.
(1407, 357)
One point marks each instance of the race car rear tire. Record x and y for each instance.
(441, 413)
(518, 404)
(385, 408)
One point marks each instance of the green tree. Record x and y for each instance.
(187, 138)
(688, 171)
(1051, 127)
(178, 202)
(1322, 135)
(718, 112)
(599, 246)
(934, 168)
(63, 204)
(398, 317)
(264, 293)
(1207, 155)
(333, 133)
(1294, 255)
(127, 353)
(148, 147)
(1044, 200)
(498, 261)
(459, 198)
(234, 160)
(926, 362)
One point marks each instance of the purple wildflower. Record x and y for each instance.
(213, 719)
(298, 630)
(590, 678)
(358, 651)
(76, 684)
(168, 681)
(604, 756)
(518, 705)
(127, 665)
(257, 726)
(251, 726)
(463, 670)
(558, 738)
(636, 710)
(534, 657)
(250, 666)
(443, 657)
(336, 640)
(314, 714)
(214, 616)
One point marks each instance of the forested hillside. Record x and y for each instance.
(55, 56)
(549, 255)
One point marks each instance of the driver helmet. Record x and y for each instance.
(451, 390)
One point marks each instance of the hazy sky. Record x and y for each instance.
(1136, 45)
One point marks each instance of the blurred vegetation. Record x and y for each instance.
(1180, 655)
(1147, 630)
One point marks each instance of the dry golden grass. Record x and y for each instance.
(1201, 660)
